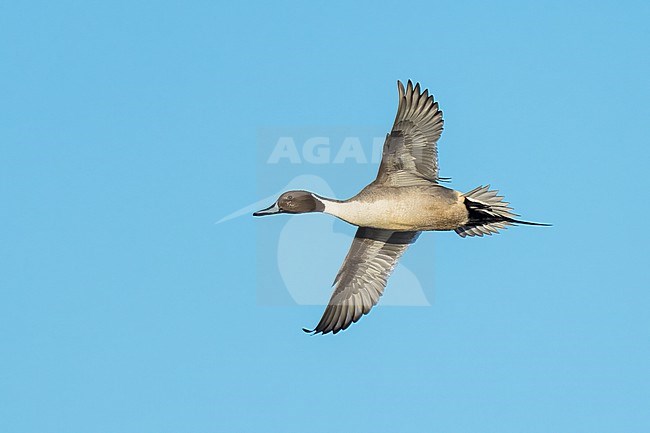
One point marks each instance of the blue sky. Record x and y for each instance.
(127, 129)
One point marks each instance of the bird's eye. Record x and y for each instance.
(289, 197)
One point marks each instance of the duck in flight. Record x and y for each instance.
(404, 200)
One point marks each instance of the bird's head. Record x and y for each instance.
(294, 202)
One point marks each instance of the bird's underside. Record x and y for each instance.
(408, 208)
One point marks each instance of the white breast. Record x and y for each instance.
(380, 214)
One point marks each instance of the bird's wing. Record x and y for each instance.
(363, 276)
(410, 155)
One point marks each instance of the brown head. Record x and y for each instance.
(294, 202)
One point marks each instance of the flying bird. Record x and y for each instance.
(404, 200)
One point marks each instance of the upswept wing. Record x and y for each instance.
(410, 155)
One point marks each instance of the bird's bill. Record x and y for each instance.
(271, 210)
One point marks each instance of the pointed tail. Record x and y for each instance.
(488, 213)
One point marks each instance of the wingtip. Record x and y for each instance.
(413, 89)
(400, 89)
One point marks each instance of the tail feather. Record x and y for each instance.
(488, 213)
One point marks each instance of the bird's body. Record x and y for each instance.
(408, 208)
(404, 200)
